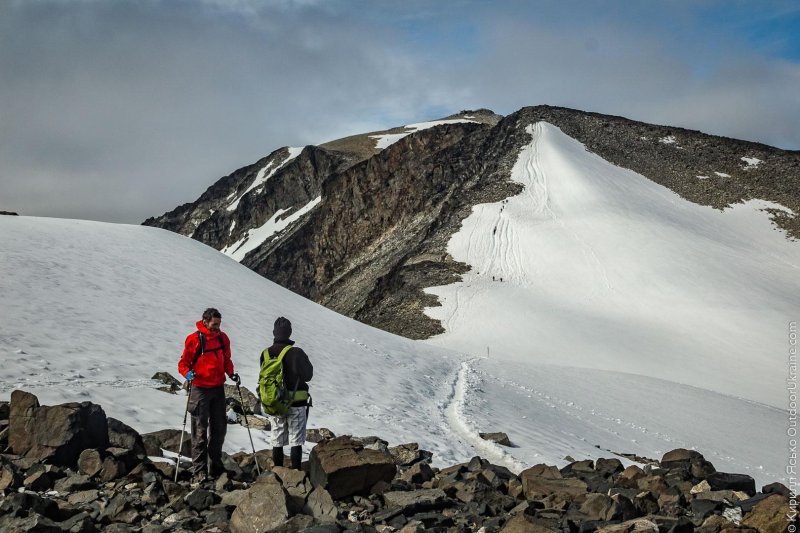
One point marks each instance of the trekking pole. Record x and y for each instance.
(180, 446)
(247, 425)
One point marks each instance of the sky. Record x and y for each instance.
(121, 110)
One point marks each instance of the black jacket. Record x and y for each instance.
(297, 369)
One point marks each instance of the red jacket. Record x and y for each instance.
(213, 364)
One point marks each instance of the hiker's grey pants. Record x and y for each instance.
(288, 430)
(209, 424)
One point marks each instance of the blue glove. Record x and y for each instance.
(190, 375)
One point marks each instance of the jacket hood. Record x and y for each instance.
(205, 331)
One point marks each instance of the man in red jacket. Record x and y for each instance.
(205, 361)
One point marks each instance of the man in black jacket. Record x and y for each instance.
(290, 429)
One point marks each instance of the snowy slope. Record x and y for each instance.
(91, 310)
(604, 269)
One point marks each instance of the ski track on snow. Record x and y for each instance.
(462, 428)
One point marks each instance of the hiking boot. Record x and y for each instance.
(200, 478)
(216, 471)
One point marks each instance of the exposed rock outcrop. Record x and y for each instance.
(120, 490)
(379, 234)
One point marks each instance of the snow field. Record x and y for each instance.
(602, 268)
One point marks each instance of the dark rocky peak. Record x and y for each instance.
(361, 224)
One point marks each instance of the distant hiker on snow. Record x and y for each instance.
(283, 390)
(205, 361)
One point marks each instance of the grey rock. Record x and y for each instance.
(121, 435)
(344, 467)
(320, 505)
(319, 434)
(408, 454)
(34, 523)
(40, 481)
(264, 507)
(201, 499)
(776, 488)
(498, 438)
(597, 507)
(541, 480)
(418, 500)
(73, 483)
(112, 469)
(56, 433)
(10, 477)
(171, 383)
(20, 503)
(168, 439)
(118, 509)
(90, 462)
(418, 473)
(738, 482)
(83, 497)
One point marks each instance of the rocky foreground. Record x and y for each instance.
(70, 468)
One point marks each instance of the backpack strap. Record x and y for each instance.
(284, 352)
(201, 349)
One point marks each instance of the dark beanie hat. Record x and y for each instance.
(282, 330)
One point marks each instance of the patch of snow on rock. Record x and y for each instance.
(751, 162)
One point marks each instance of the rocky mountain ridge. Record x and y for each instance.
(364, 230)
(70, 468)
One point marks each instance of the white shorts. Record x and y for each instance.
(289, 430)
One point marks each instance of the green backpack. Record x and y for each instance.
(275, 395)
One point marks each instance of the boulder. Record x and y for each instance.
(319, 434)
(776, 488)
(417, 501)
(597, 507)
(701, 509)
(523, 523)
(498, 438)
(408, 454)
(320, 505)
(118, 509)
(584, 467)
(769, 515)
(637, 525)
(541, 480)
(201, 499)
(630, 477)
(171, 384)
(121, 435)
(251, 403)
(264, 507)
(418, 473)
(21, 503)
(297, 485)
(33, 522)
(723, 481)
(90, 462)
(83, 497)
(55, 434)
(113, 468)
(344, 467)
(10, 478)
(167, 439)
(73, 483)
(609, 467)
(680, 457)
(40, 481)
